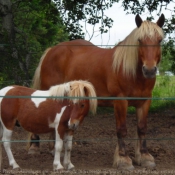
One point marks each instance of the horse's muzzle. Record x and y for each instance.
(149, 72)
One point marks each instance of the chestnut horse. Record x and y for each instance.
(127, 70)
(40, 115)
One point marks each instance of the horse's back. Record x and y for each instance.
(74, 60)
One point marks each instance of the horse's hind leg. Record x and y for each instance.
(34, 144)
(68, 147)
(142, 156)
(6, 141)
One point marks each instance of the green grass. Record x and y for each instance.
(164, 88)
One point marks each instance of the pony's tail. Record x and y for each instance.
(36, 78)
(1, 134)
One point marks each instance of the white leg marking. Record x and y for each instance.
(58, 148)
(67, 155)
(6, 141)
(58, 142)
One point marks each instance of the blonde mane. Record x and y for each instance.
(126, 53)
(76, 89)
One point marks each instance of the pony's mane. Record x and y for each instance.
(76, 89)
(126, 52)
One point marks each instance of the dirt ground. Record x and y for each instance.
(94, 145)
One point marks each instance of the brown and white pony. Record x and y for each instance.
(127, 70)
(40, 114)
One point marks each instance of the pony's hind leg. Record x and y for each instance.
(142, 156)
(34, 144)
(6, 138)
(68, 147)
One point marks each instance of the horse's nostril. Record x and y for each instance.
(155, 68)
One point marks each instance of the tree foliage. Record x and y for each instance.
(36, 25)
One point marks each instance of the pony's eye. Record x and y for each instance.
(82, 106)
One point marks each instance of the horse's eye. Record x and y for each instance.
(160, 40)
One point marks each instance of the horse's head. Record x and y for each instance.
(79, 111)
(149, 39)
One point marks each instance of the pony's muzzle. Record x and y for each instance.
(149, 72)
(73, 124)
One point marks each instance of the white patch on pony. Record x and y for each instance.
(37, 100)
(57, 119)
(4, 91)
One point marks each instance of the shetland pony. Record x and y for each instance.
(127, 70)
(40, 114)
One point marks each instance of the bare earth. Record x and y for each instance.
(94, 145)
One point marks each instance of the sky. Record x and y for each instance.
(122, 26)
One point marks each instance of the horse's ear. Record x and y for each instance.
(138, 20)
(161, 20)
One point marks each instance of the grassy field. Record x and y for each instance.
(163, 94)
(164, 88)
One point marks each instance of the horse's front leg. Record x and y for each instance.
(68, 147)
(142, 156)
(121, 159)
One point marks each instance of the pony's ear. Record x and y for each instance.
(138, 20)
(161, 20)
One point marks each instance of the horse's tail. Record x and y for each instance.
(36, 78)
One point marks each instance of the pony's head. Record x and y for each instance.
(77, 92)
(81, 106)
(140, 49)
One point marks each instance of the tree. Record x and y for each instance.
(26, 29)
(92, 12)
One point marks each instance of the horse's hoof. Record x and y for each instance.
(124, 163)
(33, 151)
(147, 161)
(148, 164)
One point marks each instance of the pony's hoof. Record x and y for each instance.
(148, 164)
(58, 168)
(16, 166)
(69, 166)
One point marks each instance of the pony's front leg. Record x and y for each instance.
(58, 148)
(7, 145)
(68, 147)
(121, 159)
(142, 156)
